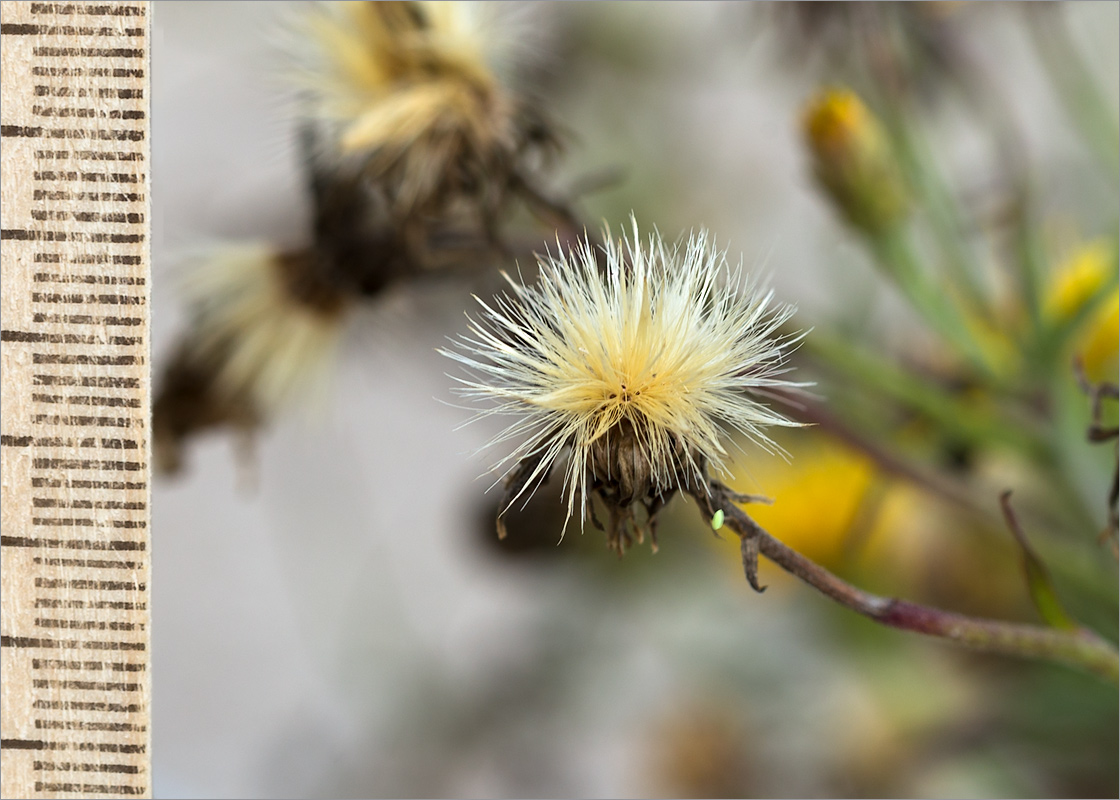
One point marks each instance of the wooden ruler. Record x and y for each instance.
(74, 311)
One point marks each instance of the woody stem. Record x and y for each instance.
(1079, 647)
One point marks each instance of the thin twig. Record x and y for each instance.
(889, 462)
(1098, 432)
(1080, 648)
(1098, 393)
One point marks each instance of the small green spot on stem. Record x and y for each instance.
(717, 520)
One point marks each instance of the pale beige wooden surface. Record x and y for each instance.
(75, 400)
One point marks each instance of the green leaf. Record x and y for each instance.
(1038, 579)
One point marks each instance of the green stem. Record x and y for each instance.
(1031, 257)
(929, 399)
(1078, 648)
(917, 160)
(1075, 85)
(893, 251)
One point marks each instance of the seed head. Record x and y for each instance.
(636, 369)
(263, 332)
(412, 92)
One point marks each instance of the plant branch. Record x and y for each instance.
(895, 253)
(886, 460)
(1074, 83)
(1079, 648)
(928, 398)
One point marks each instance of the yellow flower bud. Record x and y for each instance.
(1079, 280)
(853, 160)
(1098, 344)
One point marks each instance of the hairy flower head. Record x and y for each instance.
(414, 91)
(636, 365)
(263, 333)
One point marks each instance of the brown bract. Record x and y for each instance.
(621, 478)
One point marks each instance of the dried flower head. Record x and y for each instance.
(907, 48)
(412, 93)
(263, 331)
(264, 321)
(637, 369)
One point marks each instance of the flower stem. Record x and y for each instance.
(973, 425)
(1074, 83)
(886, 460)
(1079, 648)
(893, 250)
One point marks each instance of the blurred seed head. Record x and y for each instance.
(636, 371)
(406, 125)
(263, 331)
(411, 95)
(908, 49)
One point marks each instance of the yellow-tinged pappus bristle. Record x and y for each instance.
(272, 333)
(638, 369)
(411, 92)
(263, 333)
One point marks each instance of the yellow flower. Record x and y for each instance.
(818, 495)
(853, 160)
(836, 120)
(1098, 345)
(1078, 282)
(1079, 278)
(835, 506)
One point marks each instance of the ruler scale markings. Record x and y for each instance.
(74, 448)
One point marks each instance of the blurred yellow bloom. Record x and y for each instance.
(1098, 346)
(834, 506)
(817, 495)
(853, 160)
(1079, 280)
(836, 120)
